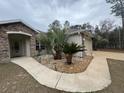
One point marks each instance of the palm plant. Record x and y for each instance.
(69, 49)
(59, 39)
(55, 38)
(53, 41)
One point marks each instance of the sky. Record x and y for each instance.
(40, 13)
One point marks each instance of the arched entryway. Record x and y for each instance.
(19, 44)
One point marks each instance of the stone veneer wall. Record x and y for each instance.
(4, 44)
(4, 47)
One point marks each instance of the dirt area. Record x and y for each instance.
(78, 65)
(116, 68)
(14, 79)
(112, 50)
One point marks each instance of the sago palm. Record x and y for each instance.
(71, 48)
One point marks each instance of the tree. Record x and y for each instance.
(97, 30)
(67, 24)
(44, 39)
(96, 34)
(76, 27)
(54, 39)
(101, 34)
(84, 26)
(59, 37)
(89, 27)
(106, 25)
(117, 8)
(55, 25)
(104, 42)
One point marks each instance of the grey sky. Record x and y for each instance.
(40, 13)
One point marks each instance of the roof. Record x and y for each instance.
(79, 32)
(17, 20)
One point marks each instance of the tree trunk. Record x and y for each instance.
(122, 31)
(69, 58)
(123, 23)
(122, 15)
(57, 56)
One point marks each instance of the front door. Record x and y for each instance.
(17, 48)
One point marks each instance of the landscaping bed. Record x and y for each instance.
(78, 64)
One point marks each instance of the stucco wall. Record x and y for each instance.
(87, 41)
(88, 46)
(4, 44)
(77, 38)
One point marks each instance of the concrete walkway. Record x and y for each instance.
(95, 78)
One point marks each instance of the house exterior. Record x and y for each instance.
(83, 38)
(17, 39)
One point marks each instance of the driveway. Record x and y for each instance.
(111, 55)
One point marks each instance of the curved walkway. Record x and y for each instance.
(96, 77)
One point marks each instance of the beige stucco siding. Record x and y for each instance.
(88, 46)
(77, 38)
(83, 40)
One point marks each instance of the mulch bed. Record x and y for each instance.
(78, 65)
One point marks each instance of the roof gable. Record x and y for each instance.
(18, 21)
